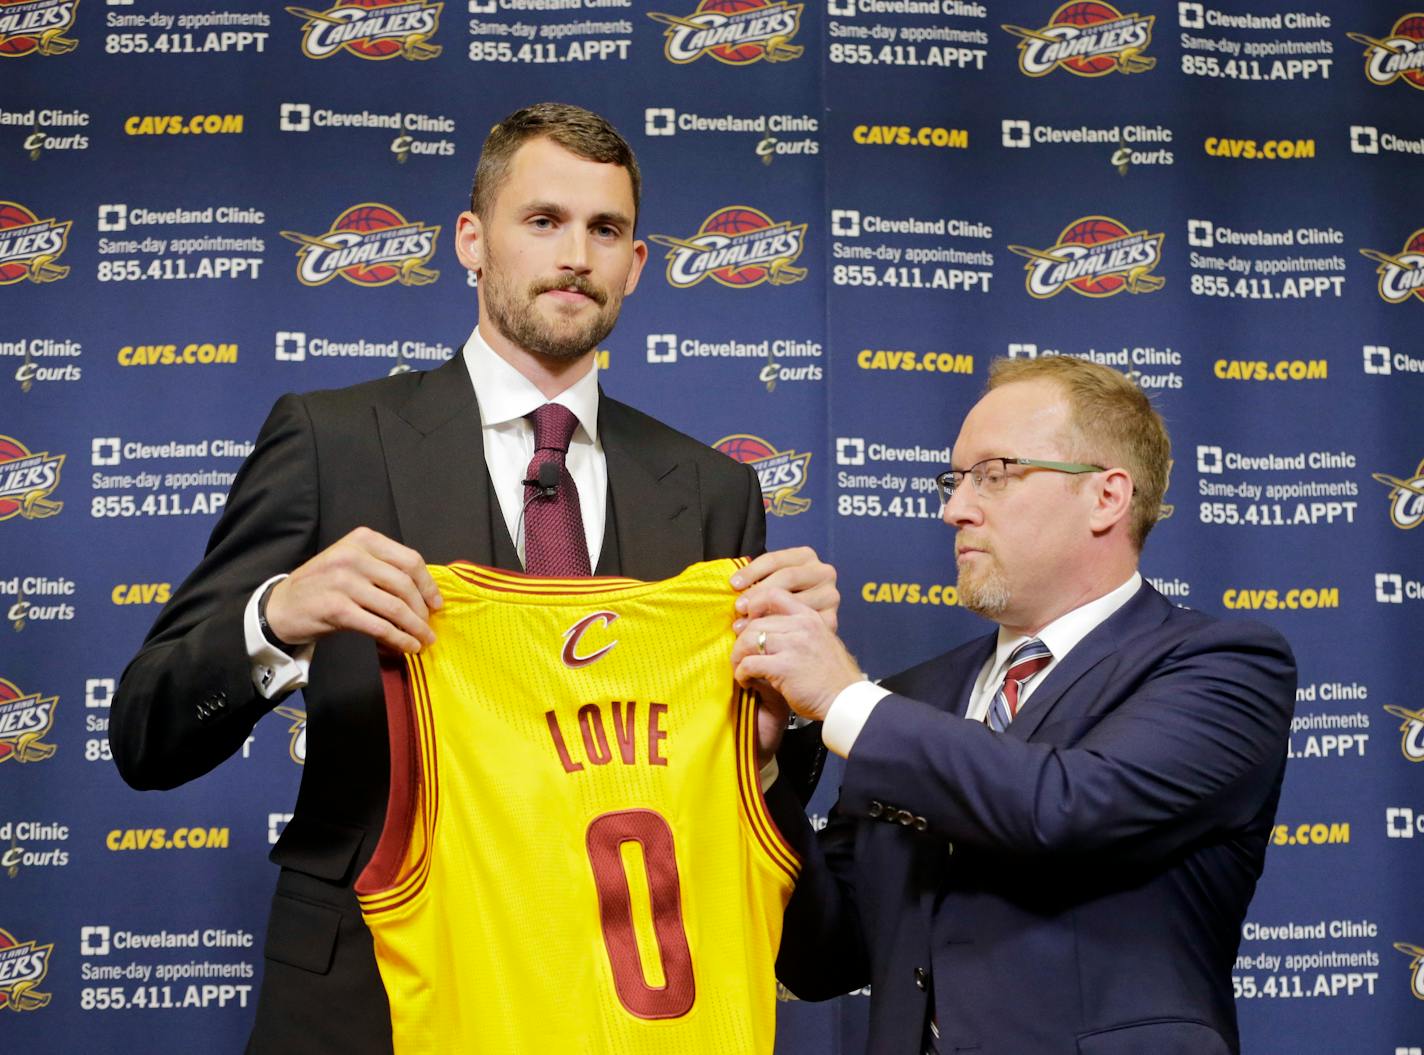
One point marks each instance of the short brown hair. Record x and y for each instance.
(1112, 423)
(579, 131)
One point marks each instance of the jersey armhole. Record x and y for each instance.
(766, 838)
(397, 869)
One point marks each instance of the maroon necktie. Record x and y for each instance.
(554, 542)
(1026, 661)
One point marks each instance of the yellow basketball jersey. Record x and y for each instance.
(577, 857)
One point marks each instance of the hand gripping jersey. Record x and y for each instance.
(577, 857)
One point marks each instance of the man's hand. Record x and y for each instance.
(787, 645)
(364, 582)
(796, 571)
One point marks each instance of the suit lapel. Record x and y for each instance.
(435, 464)
(1145, 610)
(653, 498)
(966, 672)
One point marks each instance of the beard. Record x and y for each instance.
(984, 590)
(515, 314)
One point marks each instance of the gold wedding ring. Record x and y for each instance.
(761, 642)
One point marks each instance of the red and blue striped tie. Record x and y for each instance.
(1024, 662)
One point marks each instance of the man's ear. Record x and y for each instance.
(1112, 499)
(470, 242)
(640, 257)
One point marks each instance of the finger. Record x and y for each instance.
(394, 610)
(394, 580)
(768, 563)
(762, 600)
(361, 621)
(753, 668)
(403, 557)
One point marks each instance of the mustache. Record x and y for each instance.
(970, 542)
(577, 283)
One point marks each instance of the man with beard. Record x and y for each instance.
(1046, 839)
(321, 553)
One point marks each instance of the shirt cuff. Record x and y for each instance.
(273, 671)
(848, 714)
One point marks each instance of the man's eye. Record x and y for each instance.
(542, 222)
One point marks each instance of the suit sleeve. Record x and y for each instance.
(822, 953)
(754, 527)
(186, 701)
(1196, 747)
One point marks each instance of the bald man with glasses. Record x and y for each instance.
(1046, 839)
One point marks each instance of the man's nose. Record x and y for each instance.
(573, 250)
(963, 506)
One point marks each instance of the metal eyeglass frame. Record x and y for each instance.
(946, 485)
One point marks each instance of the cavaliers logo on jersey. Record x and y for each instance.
(739, 247)
(781, 473)
(735, 32)
(25, 719)
(371, 29)
(1406, 497)
(1401, 274)
(29, 246)
(27, 479)
(29, 27)
(575, 655)
(368, 245)
(1411, 729)
(1089, 39)
(1095, 256)
(1398, 56)
(23, 966)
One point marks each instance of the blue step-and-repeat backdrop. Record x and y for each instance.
(1220, 199)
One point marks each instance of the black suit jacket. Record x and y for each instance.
(402, 455)
(1074, 885)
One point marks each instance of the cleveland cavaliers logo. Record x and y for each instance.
(1411, 728)
(297, 749)
(27, 478)
(739, 247)
(1401, 274)
(1397, 57)
(29, 245)
(29, 27)
(371, 29)
(1416, 967)
(736, 32)
(1096, 256)
(25, 720)
(1088, 39)
(781, 473)
(1406, 497)
(572, 655)
(23, 966)
(368, 245)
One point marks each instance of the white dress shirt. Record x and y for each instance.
(505, 396)
(851, 709)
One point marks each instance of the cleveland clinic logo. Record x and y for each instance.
(734, 32)
(372, 29)
(1096, 256)
(37, 28)
(1397, 56)
(1088, 39)
(1406, 497)
(737, 246)
(370, 244)
(1401, 274)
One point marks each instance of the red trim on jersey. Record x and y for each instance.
(383, 869)
(763, 828)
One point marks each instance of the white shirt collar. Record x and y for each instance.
(506, 395)
(1068, 629)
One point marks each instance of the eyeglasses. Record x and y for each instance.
(992, 475)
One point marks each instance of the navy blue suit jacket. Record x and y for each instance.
(1075, 884)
